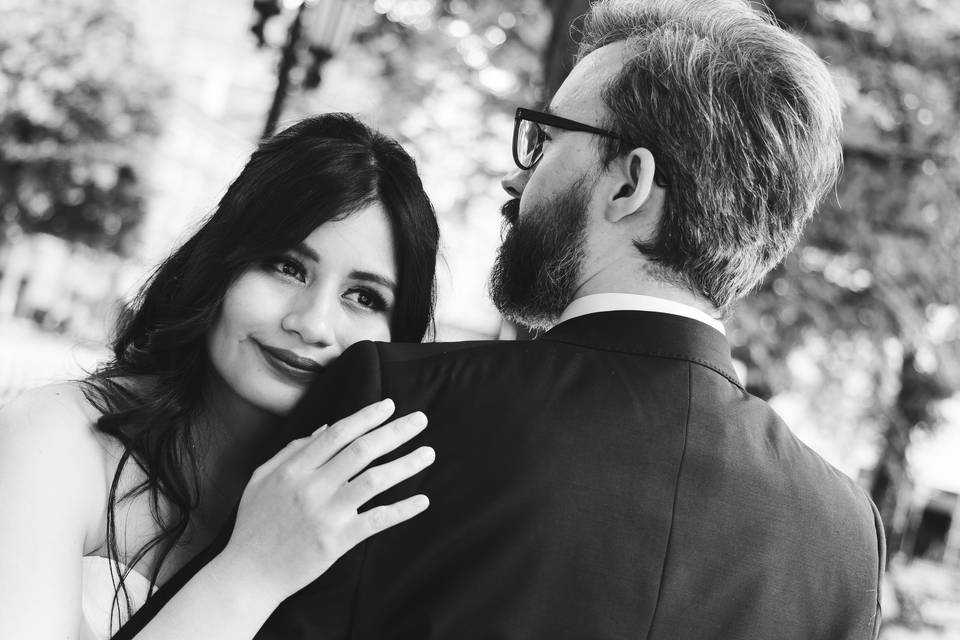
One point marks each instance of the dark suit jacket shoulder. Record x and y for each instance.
(609, 480)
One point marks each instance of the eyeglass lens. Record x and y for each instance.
(529, 143)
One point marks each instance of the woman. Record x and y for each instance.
(325, 238)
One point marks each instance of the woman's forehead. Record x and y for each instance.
(362, 240)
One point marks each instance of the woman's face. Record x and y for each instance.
(284, 319)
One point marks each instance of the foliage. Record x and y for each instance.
(881, 258)
(879, 267)
(76, 104)
(446, 76)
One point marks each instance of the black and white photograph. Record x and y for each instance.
(463, 320)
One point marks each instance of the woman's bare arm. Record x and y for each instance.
(297, 516)
(52, 492)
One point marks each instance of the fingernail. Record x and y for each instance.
(321, 429)
(415, 421)
(421, 502)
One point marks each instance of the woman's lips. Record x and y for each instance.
(289, 364)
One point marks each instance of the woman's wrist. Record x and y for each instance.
(241, 587)
(223, 601)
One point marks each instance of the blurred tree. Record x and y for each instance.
(77, 103)
(880, 264)
(871, 294)
(444, 76)
(453, 81)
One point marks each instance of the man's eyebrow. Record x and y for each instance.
(370, 276)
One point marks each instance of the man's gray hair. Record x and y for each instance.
(743, 121)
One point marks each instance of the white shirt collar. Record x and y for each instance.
(597, 302)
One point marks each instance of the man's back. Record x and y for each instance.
(609, 480)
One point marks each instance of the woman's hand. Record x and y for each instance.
(298, 514)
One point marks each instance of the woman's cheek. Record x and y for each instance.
(255, 301)
(375, 327)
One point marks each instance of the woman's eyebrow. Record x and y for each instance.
(305, 250)
(370, 276)
(357, 274)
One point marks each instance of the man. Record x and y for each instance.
(612, 478)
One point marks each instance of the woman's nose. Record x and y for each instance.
(314, 320)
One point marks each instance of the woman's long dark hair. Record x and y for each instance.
(320, 169)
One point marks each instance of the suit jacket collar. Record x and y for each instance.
(647, 333)
(598, 302)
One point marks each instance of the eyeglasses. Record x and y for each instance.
(528, 135)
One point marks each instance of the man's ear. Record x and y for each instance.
(632, 177)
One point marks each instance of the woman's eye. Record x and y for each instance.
(288, 267)
(368, 299)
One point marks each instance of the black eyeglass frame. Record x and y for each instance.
(550, 120)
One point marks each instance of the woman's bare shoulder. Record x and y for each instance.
(55, 413)
(50, 450)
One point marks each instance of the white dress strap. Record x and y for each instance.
(100, 616)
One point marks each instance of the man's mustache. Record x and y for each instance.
(511, 210)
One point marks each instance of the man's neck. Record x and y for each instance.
(607, 282)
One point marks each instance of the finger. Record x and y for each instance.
(378, 479)
(356, 456)
(291, 449)
(379, 519)
(328, 442)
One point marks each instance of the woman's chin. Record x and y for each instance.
(279, 399)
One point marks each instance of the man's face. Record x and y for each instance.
(540, 265)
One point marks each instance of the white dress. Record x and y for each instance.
(98, 590)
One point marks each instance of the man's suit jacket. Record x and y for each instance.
(608, 480)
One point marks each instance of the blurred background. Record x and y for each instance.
(121, 124)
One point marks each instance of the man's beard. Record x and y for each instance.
(538, 265)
